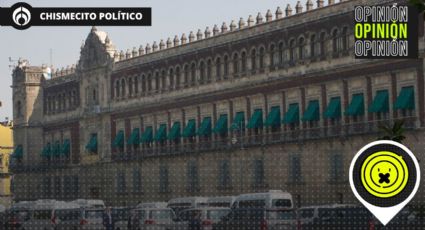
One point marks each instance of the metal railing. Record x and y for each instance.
(266, 137)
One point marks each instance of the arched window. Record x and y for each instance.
(123, 94)
(19, 108)
(64, 101)
(322, 44)
(281, 53)
(253, 59)
(261, 58)
(243, 62)
(335, 41)
(117, 89)
(171, 77)
(136, 85)
(144, 80)
(164, 79)
(130, 86)
(94, 95)
(272, 53)
(74, 97)
(218, 68)
(301, 48)
(177, 77)
(193, 74)
(235, 63)
(209, 70)
(186, 75)
(225, 66)
(344, 39)
(313, 45)
(292, 50)
(157, 81)
(201, 72)
(149, 82)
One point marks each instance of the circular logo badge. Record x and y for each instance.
(384, 174)
(21, 15)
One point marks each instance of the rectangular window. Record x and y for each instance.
(137, 181)
(121, 185)
(58, 186)
(163, 179)
(258, 180)
(67, 187)
(46, 187)
(192, 177)
(336, 168)
(76, 187)
(224, 177)
(295, 173)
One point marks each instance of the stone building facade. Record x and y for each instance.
(273, 102)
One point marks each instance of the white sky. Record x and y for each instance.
(169, 18)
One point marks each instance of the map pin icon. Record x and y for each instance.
(384, 176)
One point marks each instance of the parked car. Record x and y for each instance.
(154, 219)
(347, 218)
(208, 215)
(271, 199)
(178, 204)
(17, 214)
(120, 217)
(92, 219)
(310, 214)
(90, 203)
(66, 216)
(258, 219)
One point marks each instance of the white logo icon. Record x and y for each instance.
(21, 16)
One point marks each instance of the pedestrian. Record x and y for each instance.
(133, 221)
(195, 221)
(108, 222)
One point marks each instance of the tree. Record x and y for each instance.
(394, 132)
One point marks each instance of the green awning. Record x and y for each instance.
(18, 153)
(147, 135)
(175, 131)
(256, 120)
(119, 140)
(312, 113)
(292, 115)
(190, 129)
(334, 108)
(238, 122)
(161, 133)
(406, 99)
(273, 119)
(66, 147)
(134, 137)
(47, 150)
(356, 106)
(380, 103)
(205, 127)
(221, 125)
(92, 145)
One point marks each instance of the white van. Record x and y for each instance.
(40, 216)
(152, 205)
(90, 203)
(221, 201)
(271, 199)
(66, 215)
(178, 204)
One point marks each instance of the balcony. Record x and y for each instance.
(266, 138)
(229, 143)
